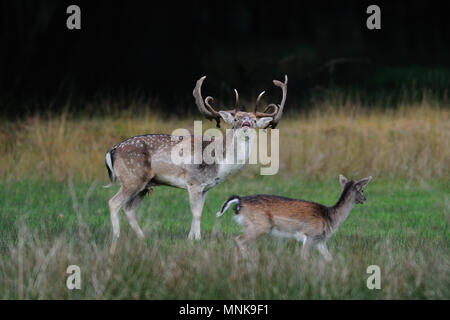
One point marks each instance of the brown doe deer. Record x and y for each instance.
(144, 161)
(308, 222)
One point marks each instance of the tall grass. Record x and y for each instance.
(409, 142)
(163, 268)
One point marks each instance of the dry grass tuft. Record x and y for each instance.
(411, 141)
(35, 268)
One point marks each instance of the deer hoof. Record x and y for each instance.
(194, 235)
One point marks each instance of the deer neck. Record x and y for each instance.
(236, 152)
(342, 208)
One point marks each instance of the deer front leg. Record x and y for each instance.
(322, 247)
(307, 244)
(196, 199)
(300, 237)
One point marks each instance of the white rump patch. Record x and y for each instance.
(238, 218)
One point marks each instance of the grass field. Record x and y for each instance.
(47, 226)
(53, 212)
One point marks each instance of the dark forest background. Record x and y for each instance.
(157, 50)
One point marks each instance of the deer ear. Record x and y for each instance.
(227, 117)
(364, 182)
(342, 180)
(263, 122)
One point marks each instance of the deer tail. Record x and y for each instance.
(231, 200)
(109, 162)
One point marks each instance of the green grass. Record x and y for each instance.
(45, 226)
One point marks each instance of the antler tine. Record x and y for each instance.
(207, 103)
(279, 112)
(265, 114)
(236, 108)
(275, 109)
(258, 100)
(207, 110)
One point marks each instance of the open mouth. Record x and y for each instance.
(246, 125)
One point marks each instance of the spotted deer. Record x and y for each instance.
(308, 222)
(144, 161)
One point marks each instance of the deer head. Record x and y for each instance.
(242, 119)
(355, 188)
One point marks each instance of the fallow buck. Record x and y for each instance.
(308, 222)
(144, 161)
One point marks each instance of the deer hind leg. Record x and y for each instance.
(249, 234)
(197, 199)
(130, 211)
(115, 203)
(135, 174)
(241, 245)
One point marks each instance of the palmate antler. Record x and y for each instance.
(205, 107)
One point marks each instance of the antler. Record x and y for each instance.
(205, 107)
(257, 102)
(278, 109)
(264, 114)
(236, 108)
